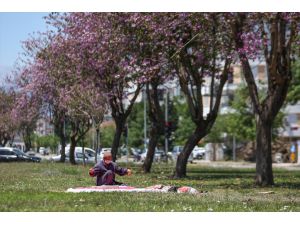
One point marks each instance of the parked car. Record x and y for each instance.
(198, 153)
(136, 152)
(176, 151)
(32, 158)
(157, 155)
(78, 158)
(44, 151)
(8, 154)
(162, 155)
(90, 153)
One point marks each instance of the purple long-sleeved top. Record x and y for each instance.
(101, 168)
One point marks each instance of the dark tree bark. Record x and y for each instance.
(27, 138)
(3, 141)
(59, 129)
(157, 124)
(62, 138)
(97, 142)
(264, 175)
(278, 62)
(120, 115)
(187, 150)
(79, 129)
(72, 148)
(203, 126)
(191, 74)
(5, 137)
(120, 124)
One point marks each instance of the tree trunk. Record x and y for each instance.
(83, 153)
(72, 149)
(27, 146)
(214, 152)
(278, 61)
(180, 170)
(156, 118)
(27, 139)
(151, 149)
(63, 149)
(120, 116)
(3, 142)
(97, 143)
(117, 137)
(62, 137)
(264, 173)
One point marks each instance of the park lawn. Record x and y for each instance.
(41, 187)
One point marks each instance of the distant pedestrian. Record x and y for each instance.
(106, 170)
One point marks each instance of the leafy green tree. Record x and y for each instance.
(48, 141)
(240, 123)
(136, 126)
(185, 125)
(107, 135)
(294, 90)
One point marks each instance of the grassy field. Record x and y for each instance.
(41, 187)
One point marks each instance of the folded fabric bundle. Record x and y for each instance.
(115, 188)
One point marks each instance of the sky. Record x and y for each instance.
(15, 28)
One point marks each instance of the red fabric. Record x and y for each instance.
(92, 172)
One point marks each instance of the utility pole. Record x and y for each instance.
(145, 119)
(125, 133)
(94, 135)
(233, 149)
(166, 126)
(97, 143)
(83, 152)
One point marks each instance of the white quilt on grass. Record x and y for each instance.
(115, 188)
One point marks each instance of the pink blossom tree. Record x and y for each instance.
(48, 76)
(25, 112)
(196, 46)
(270, 37)
(60, 82)
(83, 105)
(156, 67)
(8, 126)
(105, 49)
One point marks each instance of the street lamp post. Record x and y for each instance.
(233, 148)
(145, 119)
(97, 143)
(126, 144)
(166, 126)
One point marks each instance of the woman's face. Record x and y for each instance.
(107, 159)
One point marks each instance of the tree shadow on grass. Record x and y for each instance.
(239, 179)
(220, 174)
(288, 185)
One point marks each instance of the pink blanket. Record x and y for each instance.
(114, 188)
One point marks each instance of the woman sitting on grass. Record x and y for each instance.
(106, 170)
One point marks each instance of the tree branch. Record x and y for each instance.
(213, 114)
(252, 87)
(137, 92)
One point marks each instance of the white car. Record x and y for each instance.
(176, 151)
(78, 158)
(90, 153)
(44, 151)
(157, 155)
(198, 153)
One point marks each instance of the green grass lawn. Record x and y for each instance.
(41, 187)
